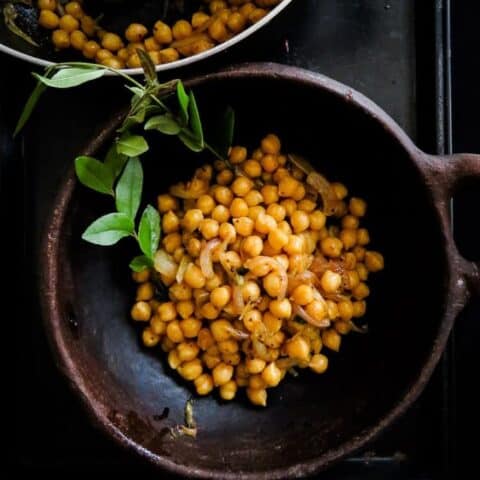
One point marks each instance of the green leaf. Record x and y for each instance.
(183, 100)
(147, 65)
(128, 192)
(29, 106)
(139, 92)
(131, 145)
(109, 229)
(190, 142)
(115, 161)
(195, 121)
(94, 174)
(149, 231)
(71, 76)
(141, 263)
(163, 123)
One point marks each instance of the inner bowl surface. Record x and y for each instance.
(310, 420)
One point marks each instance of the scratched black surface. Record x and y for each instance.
(385, 49)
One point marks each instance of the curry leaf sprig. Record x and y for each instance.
(120, 174)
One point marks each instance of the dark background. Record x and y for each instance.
(52, 434)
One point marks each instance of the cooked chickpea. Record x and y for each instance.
(238, 208)
(209, 228)
(190, 370)
(185, 308)
(228, 346)
(250, 291)
(363, 237)
(205, 204)
(299, 193)
(284, 226)
(222, 374)
(47, 4)
(244, 226)
(179, 292)
(209, 311)
(223, 195)
(361, 291)
(265, 223)
(167, 202)
(287, 187)
(331, 339)
(345, 309)
(281, 308)
(276, 211)
(205, 339)
(151, 45)
(187, 351)
(167, 311)
(295, 245)
(168, 55)
(349, 260)
(218, 31)
(220, 296)
(303, 295)
(174, 331)
(362, 271)
(350, 221)
(374, 261)
(142, 276)
(357, 207)
(157, 325)
(343, 327)
(252, 168)
(204, 384)
(254, 212)
(318, 363)
(141, 312)
(162, 33)
(331, 246)
(173, 359)
(253, 198)
(317, 310)
(136, 32)
(252, 320)
(48, 19)
(90, 49)
(225, 177)
(60, 39)
(340, 190)
(199, 19)
(300, 221)
(359, 308)
(298, 348)
(278, 239)
(359, 252)
(220, 214)
(145, 291)
(112, 42)
(271, 144)
(331, 281)
(269, 194)
(255, 366)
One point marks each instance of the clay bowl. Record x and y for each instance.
(312, 420)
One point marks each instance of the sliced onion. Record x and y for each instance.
(238, 302)
(298, 310)
(356, 328)
(283, 282)
(165, 264)
(238, 334)
(268, 264)
(182, 268)
(206, 257)
(303, 278)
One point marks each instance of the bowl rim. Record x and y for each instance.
(172, 65)
(53, 318)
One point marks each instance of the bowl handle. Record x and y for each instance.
(444, 174)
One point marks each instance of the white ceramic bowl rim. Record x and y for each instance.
(178, 63)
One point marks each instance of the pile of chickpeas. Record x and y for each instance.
(232, 236)
(72, 28)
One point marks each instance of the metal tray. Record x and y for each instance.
(395, 51)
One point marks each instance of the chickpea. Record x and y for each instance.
(142, 276)
(203, 384)
(228, 390)
(220, 296)
(162, 33)
(112, 42)
(190, 370)
(90, 49)
(300, 221)
(345, 310)
(349, 260)
(135, 32)
(272, 284)
(167, 311)
(331, 281)
(270, 194)
(284, 226)
(278, 239)
(350, 221)
(205, 204)
(318, 363)
(287, 187)
(272, 375)
(179, 292)
(253, 197)
(257, 396)
(281, 172)
(225, 177)
(199, 19)
(218, 31)
(168, 55)
(331, 339)
(228, 346)
(359, 308)
(60, 39)
(174, 332)
(145, 292)
(331, 247)
(167, 345)
(276, 211)
(265, 223)
(211, 361)
(47, 4)
(221, 214)
(221, 330)
(295, 245)
(141, 312)
(222, 374)
(362, 271)
(243, 226)
(281, 308)
(102, 55)
(299, 193)
(241, 186)
(317, 310)
(374, 261)
(173, 359)
(357, 207)
(254, 212)
(209, 228)
(298, 348)
(352, 279)
(209, 311)
(307, 205)
(359, 253)
(68, 23)
(255, 366)
(166, 202)
(48, 19)
(252, 320)
(223, 195)
(78, 40)
(157, 325)
(343, 327)
(303, 295)
(271, 144)
(361, 291)
(252, 245)
(363, 237)
(250, 291)
(185, 308)
(205, 339)
(252, 168)
(238, 208)
(187, 351)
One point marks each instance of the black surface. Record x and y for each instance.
(384, 49)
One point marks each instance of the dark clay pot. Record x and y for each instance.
(311, 421)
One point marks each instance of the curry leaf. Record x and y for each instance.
(147, 65)
(71, 77)
(183, 100)
(131, 145)
(189, 141)
(163, 123)
(128, 192)
(115, 161)
(109, 229)
(141, 263)
(29, 106)
(149, 231)
(94, 174)
(195, 121)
